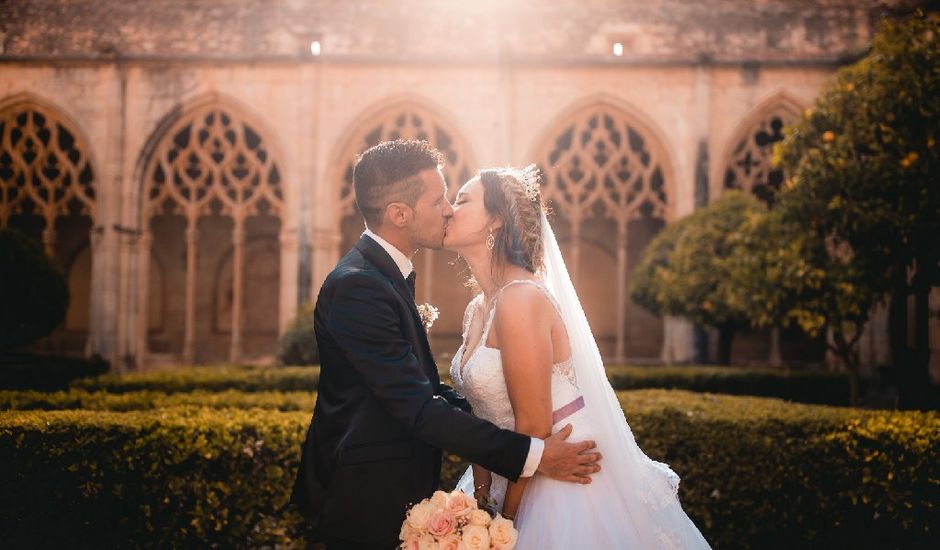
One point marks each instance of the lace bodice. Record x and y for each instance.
(482, 382)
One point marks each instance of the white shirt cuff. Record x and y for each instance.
(536, 448)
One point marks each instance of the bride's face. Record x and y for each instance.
(470, 224)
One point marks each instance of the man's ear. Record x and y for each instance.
(398, 214)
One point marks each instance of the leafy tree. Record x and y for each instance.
(790, 274)
(865, 172)
(683, 271)
(35, 295)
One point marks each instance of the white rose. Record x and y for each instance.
(476, 537)
(419, 515)
(502, 534)
(427, 542)
(439, 500)
(479, 517)
(450, 542)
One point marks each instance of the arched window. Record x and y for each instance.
(214, 171)
(604, 174)
(749, 166)
(47, 191)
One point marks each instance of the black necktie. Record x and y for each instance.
(411, 282)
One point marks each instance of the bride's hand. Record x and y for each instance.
(482, 478)
(569, 461)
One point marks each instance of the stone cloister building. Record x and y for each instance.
(188, 165)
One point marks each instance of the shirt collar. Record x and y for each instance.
(402, 261)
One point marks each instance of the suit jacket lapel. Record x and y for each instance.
(373, 252)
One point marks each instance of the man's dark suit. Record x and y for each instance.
(382, 414)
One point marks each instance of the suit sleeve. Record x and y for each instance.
(365, 322)
(454, 398)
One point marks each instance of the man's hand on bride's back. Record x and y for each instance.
(569, 461)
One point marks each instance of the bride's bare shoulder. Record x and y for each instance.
(522, 299)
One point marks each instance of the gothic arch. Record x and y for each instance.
(210, 160)
(639, 121)
(46, 165)
(746, 161)
(176, 118)
(47, 179)
(602, 162)
(406, 117)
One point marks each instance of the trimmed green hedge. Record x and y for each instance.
(78, 399)
(173, 478)
(801, 386)
(763, 473)
(756, 473)
(208, 378)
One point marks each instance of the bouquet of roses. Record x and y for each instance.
(453, 521)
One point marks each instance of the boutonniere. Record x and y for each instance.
(428, 314)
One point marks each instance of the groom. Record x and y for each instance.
(382, 414)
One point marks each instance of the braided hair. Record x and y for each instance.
(513, 195)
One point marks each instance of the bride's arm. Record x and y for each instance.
(523, 327)
(482, 479)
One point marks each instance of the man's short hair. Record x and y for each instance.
(388, 172)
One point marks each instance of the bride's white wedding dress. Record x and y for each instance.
(632, 502)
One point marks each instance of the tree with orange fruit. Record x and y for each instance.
(864, 174)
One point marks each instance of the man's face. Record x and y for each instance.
(431, 211)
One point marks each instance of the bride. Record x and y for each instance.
(529, 362)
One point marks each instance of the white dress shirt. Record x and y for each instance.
(403, 262)
(537, 447)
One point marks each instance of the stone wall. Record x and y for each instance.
(723, 30)
(503, 78)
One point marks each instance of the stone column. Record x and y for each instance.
(575, 248)
(144, 244)
(289, 254)
(238, 284)
(677, 340)
(325, 243)
(621, 290)
(101, 290)
(189, 338)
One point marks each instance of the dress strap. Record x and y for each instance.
(469, 313)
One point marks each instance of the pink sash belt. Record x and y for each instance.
(568, 410)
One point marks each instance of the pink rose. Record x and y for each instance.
(442, 523)
(460, 504)
(476, 537)
(410, 544)
(502, 533)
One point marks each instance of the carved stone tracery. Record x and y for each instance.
(601, 164)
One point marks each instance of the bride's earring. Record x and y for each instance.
(490, 240)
